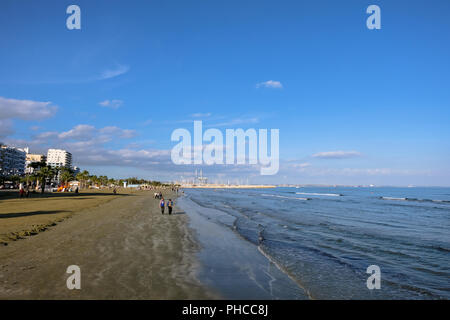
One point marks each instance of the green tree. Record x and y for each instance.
(36, 166)
(94, 180)
(83, 177)
(65, 175)
(44, 173)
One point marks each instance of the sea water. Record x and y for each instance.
(324, 238)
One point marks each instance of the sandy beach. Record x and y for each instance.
(123, 245)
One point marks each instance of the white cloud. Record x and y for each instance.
(81, 131)
(111, 73)
(301, 165)
(88, 145)
(337, 154)
(113, 104)
(270, 84)
(26, 109)
(113, 132)
(201, 115)
(11, 109)
(360, 172)
(100, 147)
(86, 134)
(92, 147)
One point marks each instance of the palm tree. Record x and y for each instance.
(15, 179)
(36, 166)
(44, 173)
(83, 177)
(103, 180)
(94, 180)
(66, 175)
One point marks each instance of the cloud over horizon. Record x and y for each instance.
(337, 154)
(90, 147)
(85, 132)
(28, 110)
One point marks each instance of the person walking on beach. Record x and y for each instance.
(170, 205)
(21, 190)
(162, 205)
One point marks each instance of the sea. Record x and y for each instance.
(318, 242)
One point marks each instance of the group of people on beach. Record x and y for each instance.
(24, 191)
(163, 204)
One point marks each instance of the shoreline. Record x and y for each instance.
(226, 186)
(233, 265)
(324, 246)
(125, 249)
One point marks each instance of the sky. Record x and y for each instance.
(353, 106)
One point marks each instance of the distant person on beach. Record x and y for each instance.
(170, 205)
(162, 205)
(21, 190)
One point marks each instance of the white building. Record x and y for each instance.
(59, 158)
(12, 161)
(31, 158)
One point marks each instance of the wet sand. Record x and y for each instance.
(234, 266)
(125, 249)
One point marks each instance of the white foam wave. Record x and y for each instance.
(283, 197)
(392, 198)
(320, 194)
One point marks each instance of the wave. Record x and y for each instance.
(415, 199)
(440, 248)
(321, 194)
(285, 271)
(284, 197)
(442, 201)
(392, 198)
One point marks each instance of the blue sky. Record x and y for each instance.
(354, 106)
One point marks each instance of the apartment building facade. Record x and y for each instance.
(12, 161)
(30, 158)
(59, 158)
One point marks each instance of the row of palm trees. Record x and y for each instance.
(87, 180)
(43, 173)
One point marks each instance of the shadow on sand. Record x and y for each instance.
(14, 194)
(26, 214)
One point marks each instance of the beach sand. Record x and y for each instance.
(124, 247)
(20, 218)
